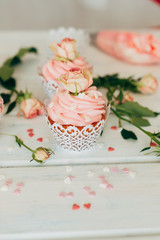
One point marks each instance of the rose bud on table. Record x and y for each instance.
(147, 84)
(31, 107)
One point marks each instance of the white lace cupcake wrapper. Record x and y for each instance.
(75, 139)
(82, 38)
(49, 87)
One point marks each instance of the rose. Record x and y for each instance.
(76, 80)
(66, 49)
(147, 84)
(41, 154)
(31, 107)
(1, 105)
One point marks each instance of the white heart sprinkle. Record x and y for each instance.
(132, 174)
(2, 177)
(10, 148)
(46, 139)
(68, 169)
(67, 180)
(100, 145)
(106, 169)
(90, 173)
(4, 188)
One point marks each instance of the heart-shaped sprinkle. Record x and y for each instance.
(132, 174)
(71, 177)
(31, 134)
(111, 149)
(68, 169)
(90, 173)
(125, 170)
(70, 195)
(62, 194)
(17, 191)
(113, 127)
(109, 187)
(9, 182)
(106, 169)
(67, 180)
(86, 189)
(40, 139)
(30, 130)
(87, 205)
(114, 169)
(92, 193)
(75, 206)
(102, 177)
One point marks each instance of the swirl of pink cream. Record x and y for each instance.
(53, 69)
(86, 108)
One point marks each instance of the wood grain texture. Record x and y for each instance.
(131, 208)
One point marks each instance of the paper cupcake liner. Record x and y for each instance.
(76, 138)
(82, 38)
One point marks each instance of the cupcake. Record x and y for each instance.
(77, 112)
(65, 59)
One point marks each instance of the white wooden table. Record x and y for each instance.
(130, 211)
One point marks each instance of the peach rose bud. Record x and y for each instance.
(76, 80)
(147, 84)
(1, 105)
(31, 107)
(40, 154)
(66, 49)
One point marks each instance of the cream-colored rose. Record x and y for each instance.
(40, 154)
(1, 105)
(126, 98)
(148, 84)
(31, 107)
(66, 49)
(76, 80)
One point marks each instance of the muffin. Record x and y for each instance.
(65, 59)
(77, 112)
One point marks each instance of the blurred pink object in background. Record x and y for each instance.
(134, 48)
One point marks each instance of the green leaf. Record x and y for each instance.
(145, 149)
(134, 108)
(6, 72)
(6, 97)
(128, 134)
(10, 84)
(140, 121)
(11, 107)
(17, 58)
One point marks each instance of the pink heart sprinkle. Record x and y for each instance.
(110, 149)
(62, 194)
(17, 191)
(105, 182)
(114, 169)
(102, 177)
(86, 189)
(92, 193)
(113, 127)
(40, 139)
(125, 170)
(71, 177)
(152, 144)
(70, 195)
(30, 130)
(9, 182)
(109, 187)
(31, 134)
(20, 185)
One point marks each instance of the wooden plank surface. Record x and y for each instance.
(132, 207)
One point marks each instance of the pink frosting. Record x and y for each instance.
(53, 69)
(85, 108)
